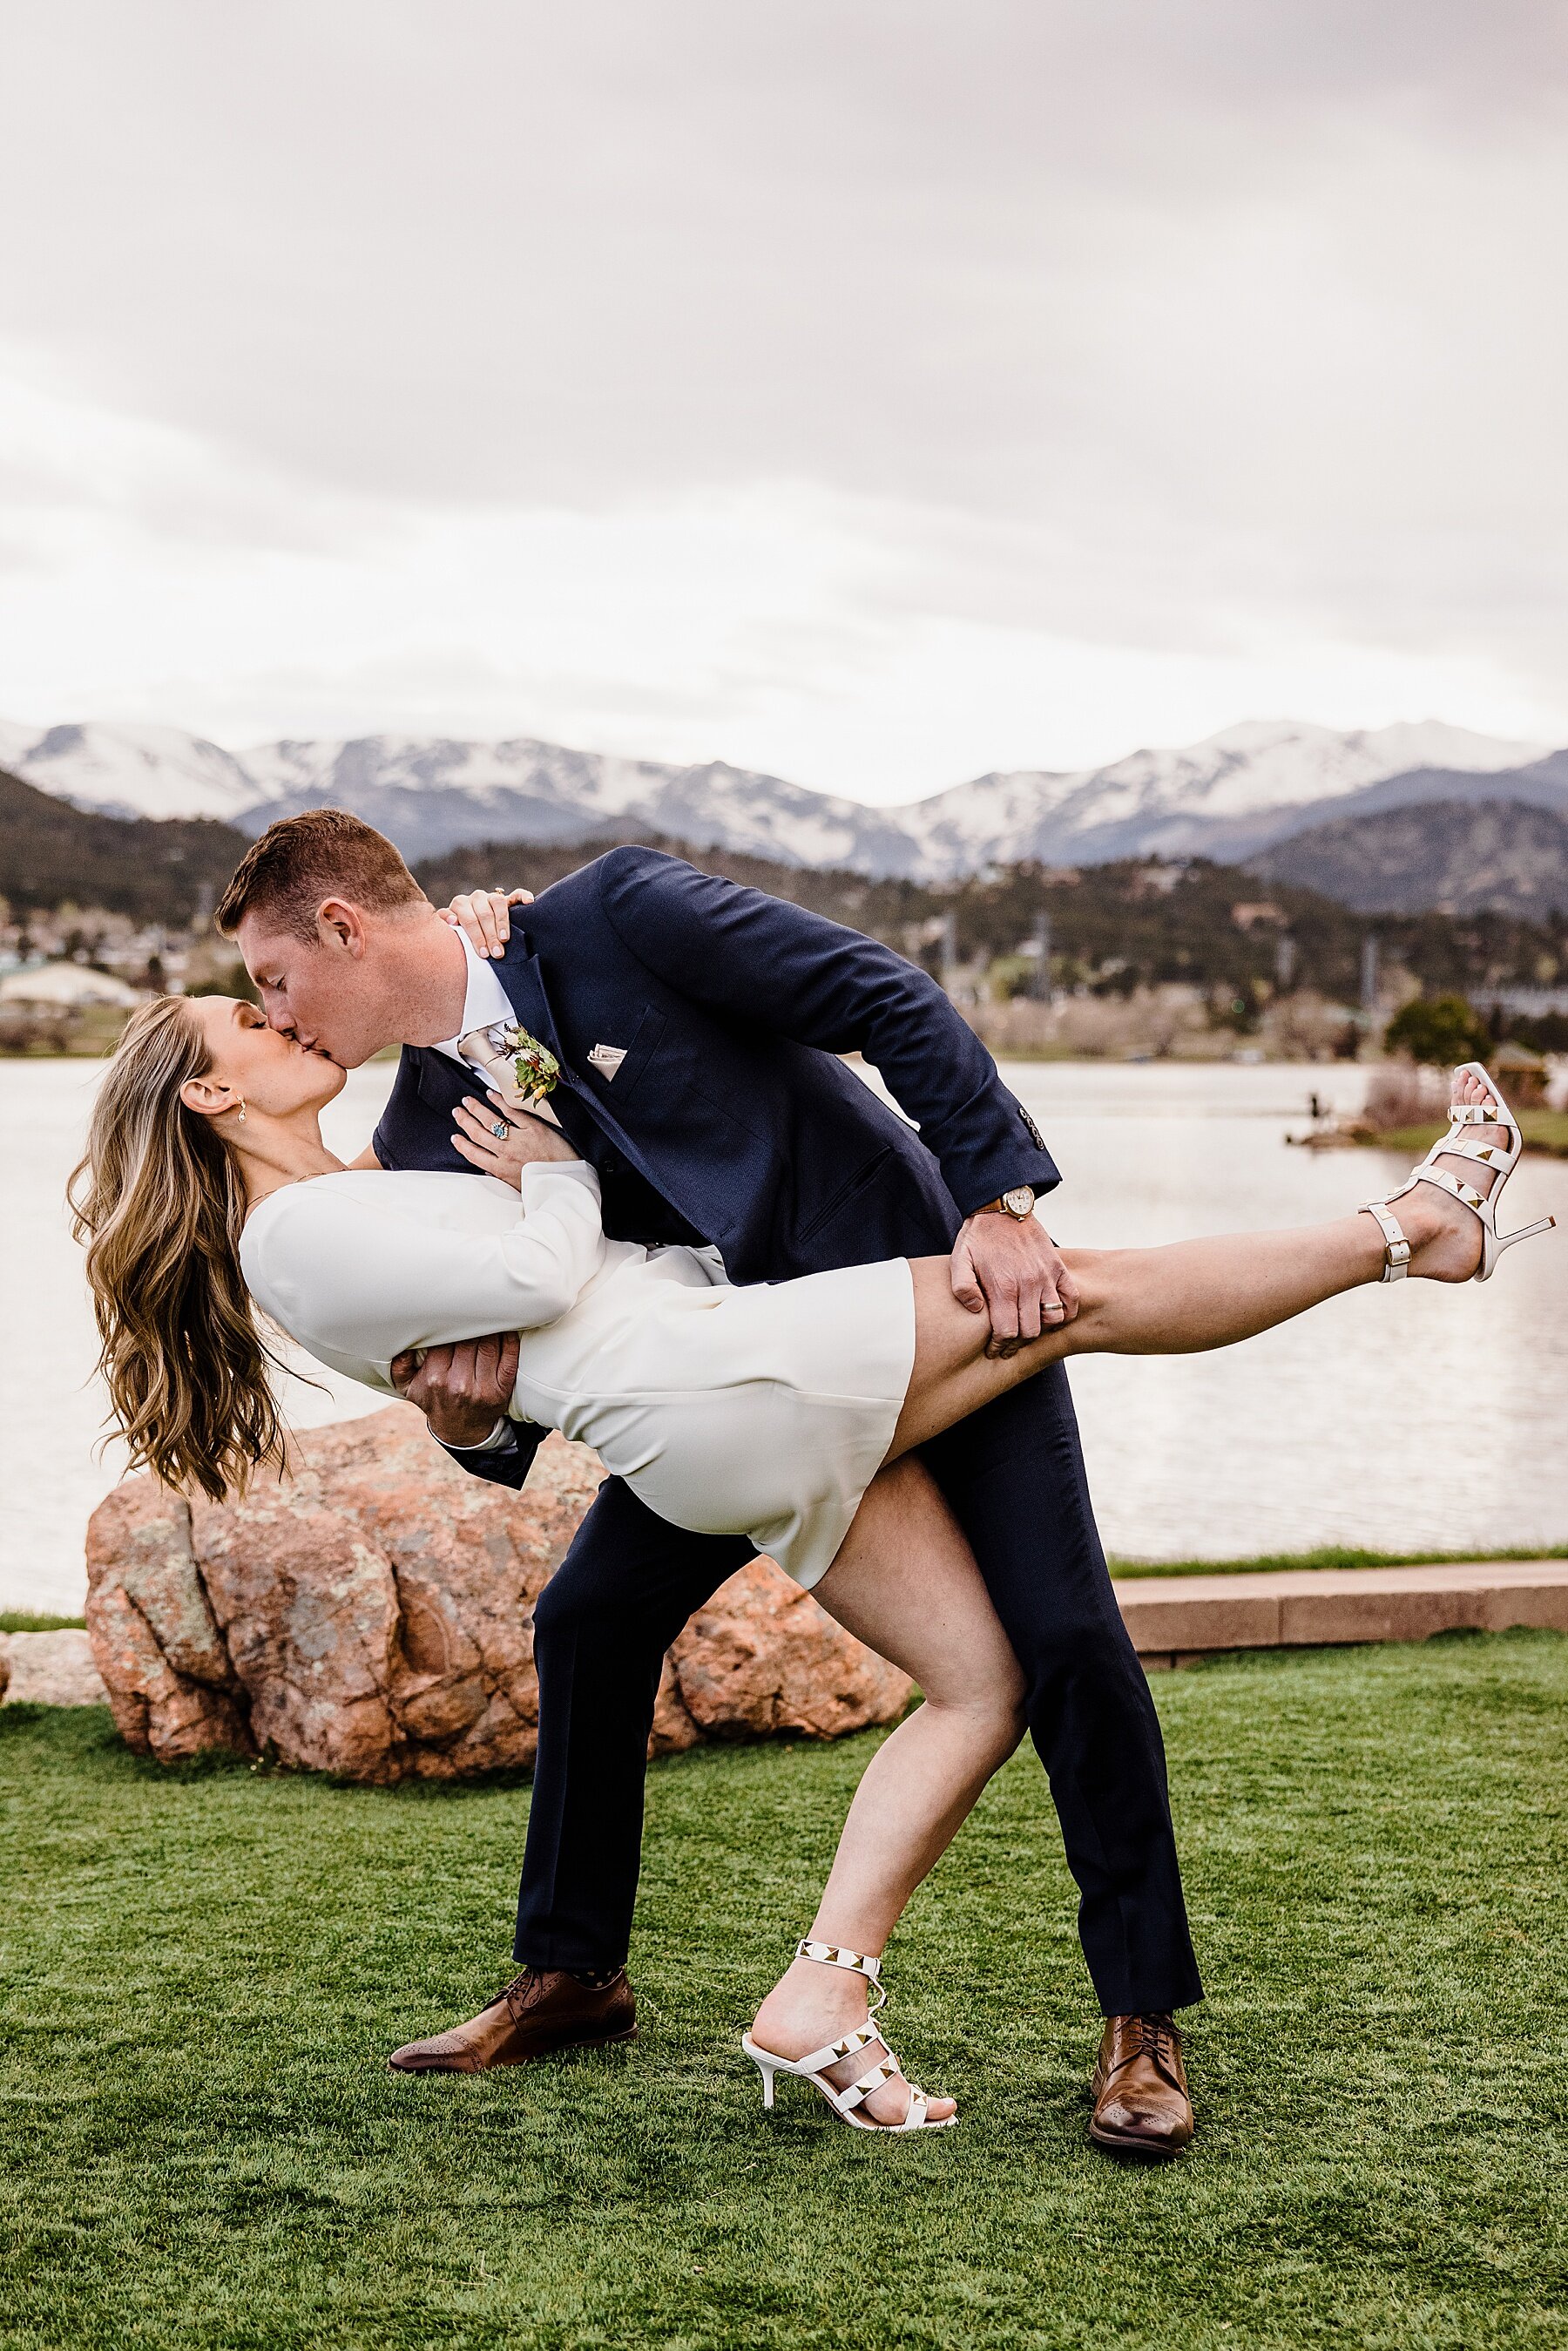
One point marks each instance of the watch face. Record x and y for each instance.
(1020, 1201)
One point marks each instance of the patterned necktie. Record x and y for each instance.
(487, 1050)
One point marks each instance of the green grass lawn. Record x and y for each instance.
(205, 1968)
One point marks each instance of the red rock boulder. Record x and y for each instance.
(372, 1614)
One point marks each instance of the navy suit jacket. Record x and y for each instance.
(731, 1120)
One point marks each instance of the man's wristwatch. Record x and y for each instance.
(1018, 1203)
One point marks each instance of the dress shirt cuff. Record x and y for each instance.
(502, 1434)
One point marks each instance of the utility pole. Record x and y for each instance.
(949, 951)
(1369, 972)
(1040, 985)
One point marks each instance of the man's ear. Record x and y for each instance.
(340, 926)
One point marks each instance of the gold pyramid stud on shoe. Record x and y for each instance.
(815, 2067)
(1502, 1158)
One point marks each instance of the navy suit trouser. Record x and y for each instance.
(1013, 1477)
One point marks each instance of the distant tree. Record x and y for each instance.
(1012, 976)
(1238, 1012)
(1438, 1029)
(228, 979)
(1546, 1033)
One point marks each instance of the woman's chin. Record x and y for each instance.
(330, 1078)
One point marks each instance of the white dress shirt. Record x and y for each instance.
(486, 1005)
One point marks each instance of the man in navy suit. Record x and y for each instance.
(699, 1029)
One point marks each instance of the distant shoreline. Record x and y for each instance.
(999, 1052)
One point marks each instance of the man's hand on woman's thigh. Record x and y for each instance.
(1011, 1268)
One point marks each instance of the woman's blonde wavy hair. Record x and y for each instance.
(159, 1206)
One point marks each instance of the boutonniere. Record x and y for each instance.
(538, 1072)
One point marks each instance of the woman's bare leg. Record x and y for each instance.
(1181, 1300)
(905, 1581)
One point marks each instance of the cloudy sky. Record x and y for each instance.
(875, 391)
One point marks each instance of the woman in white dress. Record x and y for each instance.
(786, 1412)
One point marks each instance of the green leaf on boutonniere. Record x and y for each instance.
(538, 1072)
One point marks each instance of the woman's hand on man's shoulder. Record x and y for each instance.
(483, 917)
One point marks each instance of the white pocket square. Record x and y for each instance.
(607, 1058)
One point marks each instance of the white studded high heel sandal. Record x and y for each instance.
(814, 2067)
(1503, 1156)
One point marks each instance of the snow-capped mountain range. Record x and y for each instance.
(1228, 797)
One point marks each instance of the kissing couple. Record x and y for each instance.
(627, 1186)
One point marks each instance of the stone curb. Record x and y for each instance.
(49, 1669)
(1181, 1617)
(1173, 1620)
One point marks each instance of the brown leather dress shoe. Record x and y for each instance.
(543, 2009)
(1142, 2110)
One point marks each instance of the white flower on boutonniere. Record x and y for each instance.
(538, 1072)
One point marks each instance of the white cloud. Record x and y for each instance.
(877, 393)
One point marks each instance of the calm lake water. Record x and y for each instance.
(1395, 1419)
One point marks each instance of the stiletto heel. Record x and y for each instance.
(814, 2067)
(1503, 1157)
(1525, 1233)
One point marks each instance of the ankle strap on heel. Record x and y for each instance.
(834, 1955)
(1395, 1248)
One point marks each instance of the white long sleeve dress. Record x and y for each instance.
(763, 1411)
